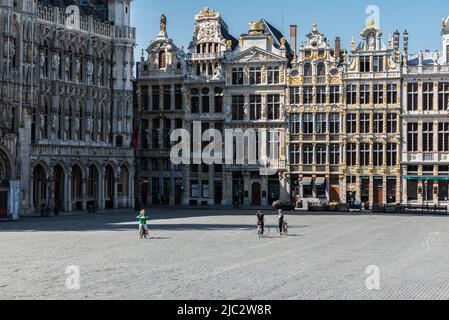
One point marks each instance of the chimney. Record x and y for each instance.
(337, 48)
(396, 50)
(406, 44)
(293, 37)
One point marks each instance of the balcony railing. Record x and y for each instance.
(205, 56)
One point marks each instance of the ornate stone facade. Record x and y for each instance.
(66, 105)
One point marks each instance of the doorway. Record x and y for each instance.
(256, 194)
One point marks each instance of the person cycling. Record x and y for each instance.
(142, 218)
(281, 219)
(261, 221)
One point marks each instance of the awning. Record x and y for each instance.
(427, 178)
(320, 181)
(307, 181)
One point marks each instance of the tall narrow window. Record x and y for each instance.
(364, 94)
(195, 101)
(378, 123)
(237, 76)
(365, 64)
(155, 97)
(392, 154)
(295, 123)
(273, 75)
(334, 123)
(321, 123)
(295, 154)
(274, 107)
(307, 73)
(427, 96)
(428, 136)
(294, 96)
(167, 97)
(351, 154)
(412, 137)
(392, 123)
(334, 97)
(334, 153)
(307, 95)
(162, 60)
(320, 95)
(412, 96)
(378, 94)
(365, 154)
(321, 154)
(255, 75)
(443, 137)
(178, 97)
(351, 123)
(238, 103)
(351, 94)
(205, 100)
(218, 100)
(308, 123)
(378, 155)
(307, 158)
(365, 122)
(378, 63)
(392, 94)
(255, 107)
(443, 96)
(145, 99)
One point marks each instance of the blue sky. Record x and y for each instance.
(345, 18)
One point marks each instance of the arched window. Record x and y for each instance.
(307, 73)
(162, 60)
(81, 121)
(321, 72)
(61, 120)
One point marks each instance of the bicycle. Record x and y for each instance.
(284, 227)
(265, 233)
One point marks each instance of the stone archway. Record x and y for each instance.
(93, 187)
(109, 183)
(40, 200)
(5, 176)
(77, 188)
(59, 187)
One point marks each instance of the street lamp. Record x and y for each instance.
(426, 185)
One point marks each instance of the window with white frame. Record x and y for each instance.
(443, 137)
(378, 123)
(351, 154)
(255, 107)
(273, 75)
(307, 123)
(321, 123)
(427, 136)
(307, 95)
(295, 154)
(412, 137)
(307, 154)
(274, 106)
(443, 96)
(364, 154)
(378, 154)
(364, 122)
(392, 93)
(334, 154)
(351, 94)
(392, 123)
(364, 94)
(351, 123)
(255, 75)
(427, 96)
(237, 76)
(334, 123)
(412, 96)
(295, 123)
(320, 95)
(392, 154)
(378, 94)
(294, 96)
(321, 154)
(378, 63)
(334, 94)
(365, 64)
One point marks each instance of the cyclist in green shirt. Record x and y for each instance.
(142, 218)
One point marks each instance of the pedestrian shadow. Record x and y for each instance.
(159, 238)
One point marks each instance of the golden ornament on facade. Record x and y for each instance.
(229, 44)
(256, 28)
(296, 80)
(207, 13)
(283, 41)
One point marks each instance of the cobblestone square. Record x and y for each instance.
(217, 255)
